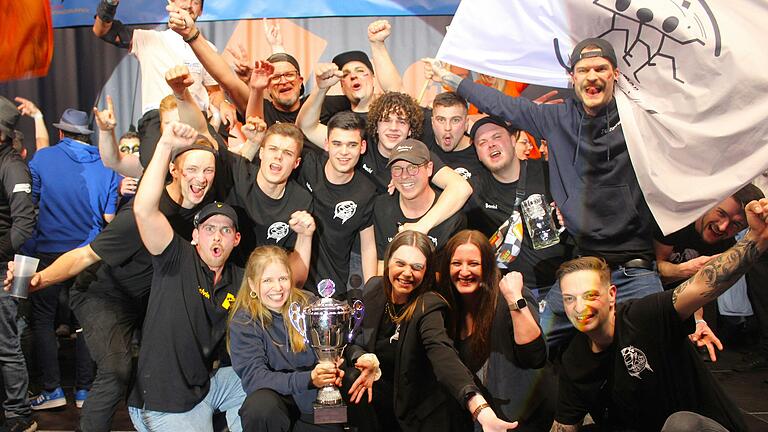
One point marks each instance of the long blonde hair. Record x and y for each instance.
(260, 258)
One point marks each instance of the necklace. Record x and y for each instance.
(394, 318)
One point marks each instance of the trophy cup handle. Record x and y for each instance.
(297, 320)
(358, 312)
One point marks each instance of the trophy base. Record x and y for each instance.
(330, 414)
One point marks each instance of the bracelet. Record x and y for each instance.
(479, 408)
(193, 37)
(700, 321)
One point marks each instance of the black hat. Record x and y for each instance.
(346, 57)
(213, 209)
(411, 150)
(9, 116)
(485, 120)
(74, 121)
(194, 146)
(604, 49)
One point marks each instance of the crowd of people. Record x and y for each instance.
(180, 251)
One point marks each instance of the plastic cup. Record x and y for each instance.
(24, 268)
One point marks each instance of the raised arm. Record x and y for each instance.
(155, 230)
(27, 108)
(525, 326)
(386, 72)
(274, 36)
(179, 79)
(260, 75)
(722, 272)
(253, 130)
(127, 165)
(213, 62)
(308, 119)
(304, 225)
(107, 28)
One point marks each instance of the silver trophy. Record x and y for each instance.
(328, 325)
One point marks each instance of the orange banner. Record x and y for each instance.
(27, 39)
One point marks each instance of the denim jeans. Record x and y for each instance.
(225, 395)
(631, 283)
(12, 365)
(108, 326)
(44, 305)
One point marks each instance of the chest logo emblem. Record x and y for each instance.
(635, 360)
(277, 231)
(463, 172)
(228, 301)
(344, 210)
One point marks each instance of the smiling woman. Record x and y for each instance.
(278, 370)
(423, 386)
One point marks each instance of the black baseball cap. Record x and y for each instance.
(489, 119)
(604, 49)
(346, 57)
(213, 209)
(194, 146)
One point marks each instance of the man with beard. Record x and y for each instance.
(591, 176)
(681, 254)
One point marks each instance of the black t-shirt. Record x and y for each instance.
(492, 203)
(649, 372)
(126, 264)
(184, 329)
(464, 162)
(387, 218)
(687, 244)
(340, 212)
(264, 220)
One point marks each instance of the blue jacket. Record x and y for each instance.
(262, 358)
(591, 175)
(74, 190)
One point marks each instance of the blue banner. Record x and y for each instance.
(73, 13)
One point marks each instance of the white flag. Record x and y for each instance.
(693, 90)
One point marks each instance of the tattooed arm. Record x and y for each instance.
(557, 427)
(722, 272)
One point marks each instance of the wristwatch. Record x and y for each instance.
(518, 304)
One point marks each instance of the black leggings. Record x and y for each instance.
(266, 410)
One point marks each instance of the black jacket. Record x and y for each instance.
(431, 383)
(18, 215)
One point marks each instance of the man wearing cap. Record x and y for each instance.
(502, 180)
(591, 176)
(17, 222)
(411, 167)
(113, 307)
(158, 51)
(183, 374)
(76, 196)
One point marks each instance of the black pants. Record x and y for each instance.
(268, 411)
(108, 325)
(44, 306)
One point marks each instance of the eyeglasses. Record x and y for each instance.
(411, 169)
(289, 76)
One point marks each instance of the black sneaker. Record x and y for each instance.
(21, 424)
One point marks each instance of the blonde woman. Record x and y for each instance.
(279, 371)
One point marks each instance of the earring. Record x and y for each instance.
(193, 242)
(253, 295)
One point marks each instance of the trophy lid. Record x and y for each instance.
(326, 288)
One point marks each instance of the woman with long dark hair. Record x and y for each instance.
(423, 385)
(494, 324)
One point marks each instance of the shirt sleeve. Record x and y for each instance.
(114, 185)
(17, 184)
(579, 387)
(250, 361)
(120, 240)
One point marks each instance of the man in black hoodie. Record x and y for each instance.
(591, 175)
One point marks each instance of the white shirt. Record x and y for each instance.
(159, 51)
